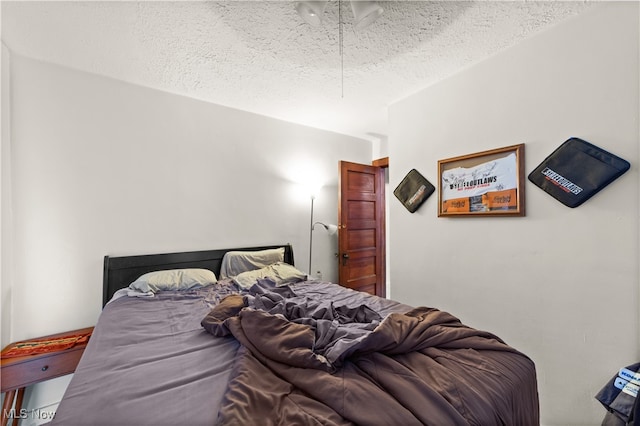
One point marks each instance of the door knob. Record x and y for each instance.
(345, 257)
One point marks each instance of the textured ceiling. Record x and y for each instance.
(260, 56)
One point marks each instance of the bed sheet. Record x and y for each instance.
(150, 362)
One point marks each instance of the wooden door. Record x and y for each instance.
(361, 228)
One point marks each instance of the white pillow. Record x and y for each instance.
(237, 262)
(173, 279)
(282, 273)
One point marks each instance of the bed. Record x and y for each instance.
(274, 348)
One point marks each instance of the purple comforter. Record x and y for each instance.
(308, 361)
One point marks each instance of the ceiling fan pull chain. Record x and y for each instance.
(341, 42)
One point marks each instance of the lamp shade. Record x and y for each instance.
(332, 229)
(311, 11)
(365, 13)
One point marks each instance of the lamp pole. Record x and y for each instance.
(311, 233)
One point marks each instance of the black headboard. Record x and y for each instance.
(119, 272)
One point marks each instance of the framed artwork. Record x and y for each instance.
(488, 183)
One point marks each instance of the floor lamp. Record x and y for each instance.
(331, 229)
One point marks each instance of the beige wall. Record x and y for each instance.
(560, 284)
(5, 212)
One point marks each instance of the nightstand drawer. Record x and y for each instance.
(37, 369)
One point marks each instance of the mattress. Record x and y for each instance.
(150, 361)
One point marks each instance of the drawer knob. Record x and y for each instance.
(45, 368)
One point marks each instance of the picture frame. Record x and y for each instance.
(487, 183)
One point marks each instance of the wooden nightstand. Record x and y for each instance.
(19, 372)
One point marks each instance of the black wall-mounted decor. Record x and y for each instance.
(576, 171)
(413, 190)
